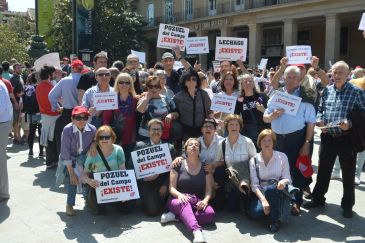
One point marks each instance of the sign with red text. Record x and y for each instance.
(170, 35)
(299, 54)
(230, 48)
(290, 103)
(216, 66)
(152, 160)
(263, 63)
(115, 186)
(223, 103)
(105, 101)
(197, 45)
(362, 22)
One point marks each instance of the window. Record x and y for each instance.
(169, 11)
(188, 9)
(150, 14)
(239, 5)
(212, 7)
(303, 37)
(344, 41)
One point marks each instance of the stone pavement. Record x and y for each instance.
(36, 213)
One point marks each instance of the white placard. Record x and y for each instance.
(115, 186)
(290, 103)
(330, 63)
(362, 22)
(105, 101)
(263, 63)
(299, 54)
(230, 48)
(50, 59)
(177, 65)
(197, 45)
(223, 103)
(216, 66)
(141, 56)
(151, 160)
(171, 35)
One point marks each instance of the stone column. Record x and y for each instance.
(290, 33)
(203, 58)
(332, 38)
(254, 43)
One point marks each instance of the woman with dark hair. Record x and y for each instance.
(192, 104)
(251, 106)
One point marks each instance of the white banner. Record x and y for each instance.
(105, 101)
(197, 45)
(170, 35)
(362, 22)
(230, 48)
(263, 63)
(151, 160)
(299, 54)
(223, 103)
(118, 185)
(290, 103)
(141, 55)
(50, 59)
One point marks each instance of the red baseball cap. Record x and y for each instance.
(77, 63)
(80, 110)
(65, 59)
(298, 65)
(304, 164)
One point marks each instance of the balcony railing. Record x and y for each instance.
(222, 8)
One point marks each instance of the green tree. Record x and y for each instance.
(11, 45)
(23, 26)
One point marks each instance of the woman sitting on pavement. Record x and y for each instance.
(269, 171)
(76, 139)
(191, 190)
(114, 157)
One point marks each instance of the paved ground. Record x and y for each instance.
(35, 213)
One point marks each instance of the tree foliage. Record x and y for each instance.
(12, 46)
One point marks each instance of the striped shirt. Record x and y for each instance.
(336, 105)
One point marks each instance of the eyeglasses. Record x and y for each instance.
(192, 79)
(103, 74)
(156, 129)
(208, 126)
(106, 137)
(81, 118)
(124, 82)
(154, 86)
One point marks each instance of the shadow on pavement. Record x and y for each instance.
(32, 162)
(4, 211)
(47, 179)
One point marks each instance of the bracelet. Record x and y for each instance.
(307, 141)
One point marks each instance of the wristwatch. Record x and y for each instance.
(307, 141)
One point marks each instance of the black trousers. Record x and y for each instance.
(61, 122)
(331, 147)
(152, 202)
(32, 129)
(51, 156)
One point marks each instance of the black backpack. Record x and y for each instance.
(30, 104)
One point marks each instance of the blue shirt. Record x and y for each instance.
(336, 105)
(67, 89)
(286, 124)
(87, 99)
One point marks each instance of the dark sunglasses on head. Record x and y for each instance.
(154, 86)
(104, 137)
(124, 82)
(103, 74)
(81, 118)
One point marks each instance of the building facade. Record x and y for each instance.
(330, 27)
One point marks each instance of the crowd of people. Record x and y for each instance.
(256, 160)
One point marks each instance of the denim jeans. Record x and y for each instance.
(71, 190)
(272, 196)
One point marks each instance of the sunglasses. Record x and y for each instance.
(154, 86)
(103, 74)
(81, 118)
(106, 137)
(124, 82)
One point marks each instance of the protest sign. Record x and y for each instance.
(216, 66)
(117, 185)
(230, 48)
(151, 160)
(141, 56)
(299, 54)
(177, 65)
(263, 63)
(362, 22)
(170, 35)
(290, 103)
(223, 103)
(50, 59)
(197, 45)
(105, 101)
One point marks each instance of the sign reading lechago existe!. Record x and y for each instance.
(170, 36)
(230, 48)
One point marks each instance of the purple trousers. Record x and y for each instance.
(188, 213)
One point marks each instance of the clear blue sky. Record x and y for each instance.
(21, 5)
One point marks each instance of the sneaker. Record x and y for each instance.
(295, 209)
(41, 155)
(307, 193)
(336, 176)
(50, 166)
(199, 236)
(274, 226)
(347, 213)
(313, 204)
(30, 153)
(70, 210)
(168, 217)
(357, 180)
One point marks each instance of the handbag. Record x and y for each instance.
(238, 175)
